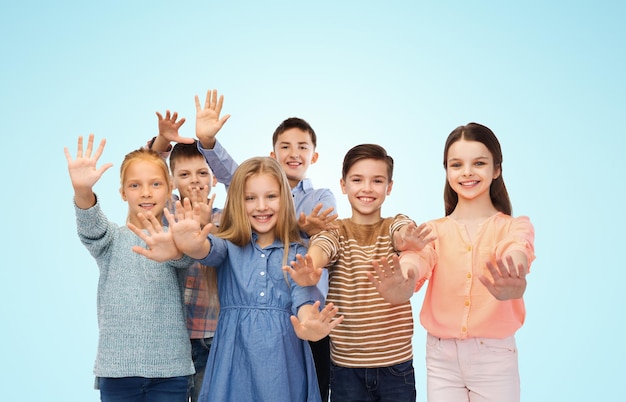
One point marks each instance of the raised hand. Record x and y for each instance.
(412, 237)
(509, 280)
(390, 281)
(208, 121)
(168, 128)
(199, 200)
(84, 172)
(303, 271)
(315, 222)
(189, 236)
(312, 324)
(160, 244)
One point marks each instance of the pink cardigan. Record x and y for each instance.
(457, 305)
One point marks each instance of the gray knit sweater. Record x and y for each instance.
(141, 316)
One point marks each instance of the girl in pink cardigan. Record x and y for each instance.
(476, 269)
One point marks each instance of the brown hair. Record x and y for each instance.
(184, 151)
(294, 122)
(366, 151)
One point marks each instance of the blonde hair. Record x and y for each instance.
(235, 225)
(145, 155)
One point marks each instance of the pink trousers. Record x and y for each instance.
(475, 369)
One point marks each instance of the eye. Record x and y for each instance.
(378, 181)
(272, 196)
(249, 198)
(157, 184)
(133, 185)
(204, 173)
(480, 163)
(182, 175)
(455, 165)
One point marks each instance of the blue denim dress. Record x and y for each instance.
(256, 355)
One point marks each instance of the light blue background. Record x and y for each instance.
(547, 77)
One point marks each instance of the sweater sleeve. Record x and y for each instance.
(94, 229)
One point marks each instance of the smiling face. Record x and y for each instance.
(367, 185)
(192, 173)
(262, 202)
(295, 152)
(146, 188)
(470, 170)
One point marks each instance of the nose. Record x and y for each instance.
(261, 204)
(294, 153)
(146, 191)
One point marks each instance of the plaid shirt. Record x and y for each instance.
(201, 317)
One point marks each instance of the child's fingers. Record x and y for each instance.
(141, 251)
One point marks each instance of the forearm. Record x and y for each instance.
(84, 198)
(319, 256)
(160, 144)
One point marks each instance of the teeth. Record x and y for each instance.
(367, 199)
(469, 183)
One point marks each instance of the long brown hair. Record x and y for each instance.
(497, 191)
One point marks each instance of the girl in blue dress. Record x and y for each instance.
(259, 351)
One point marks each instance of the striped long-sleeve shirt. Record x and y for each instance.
(373, 333)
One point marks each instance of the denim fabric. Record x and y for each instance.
(381, 384)
(141, 389)
(200, 353)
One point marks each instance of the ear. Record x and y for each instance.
(314, 158)
(273, 155)
(342, 184)
(123, 194)
(389, 186)
(497, 172)
(214, 181)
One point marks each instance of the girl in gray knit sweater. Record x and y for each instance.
(143, 347)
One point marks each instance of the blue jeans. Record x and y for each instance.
(141, 389)
(200, 354)
(378, 384)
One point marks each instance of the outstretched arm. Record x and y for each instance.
(208, 121)
(83, 171)
(307, 270)
(508, 276)
(311, 324)
(395, 282)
